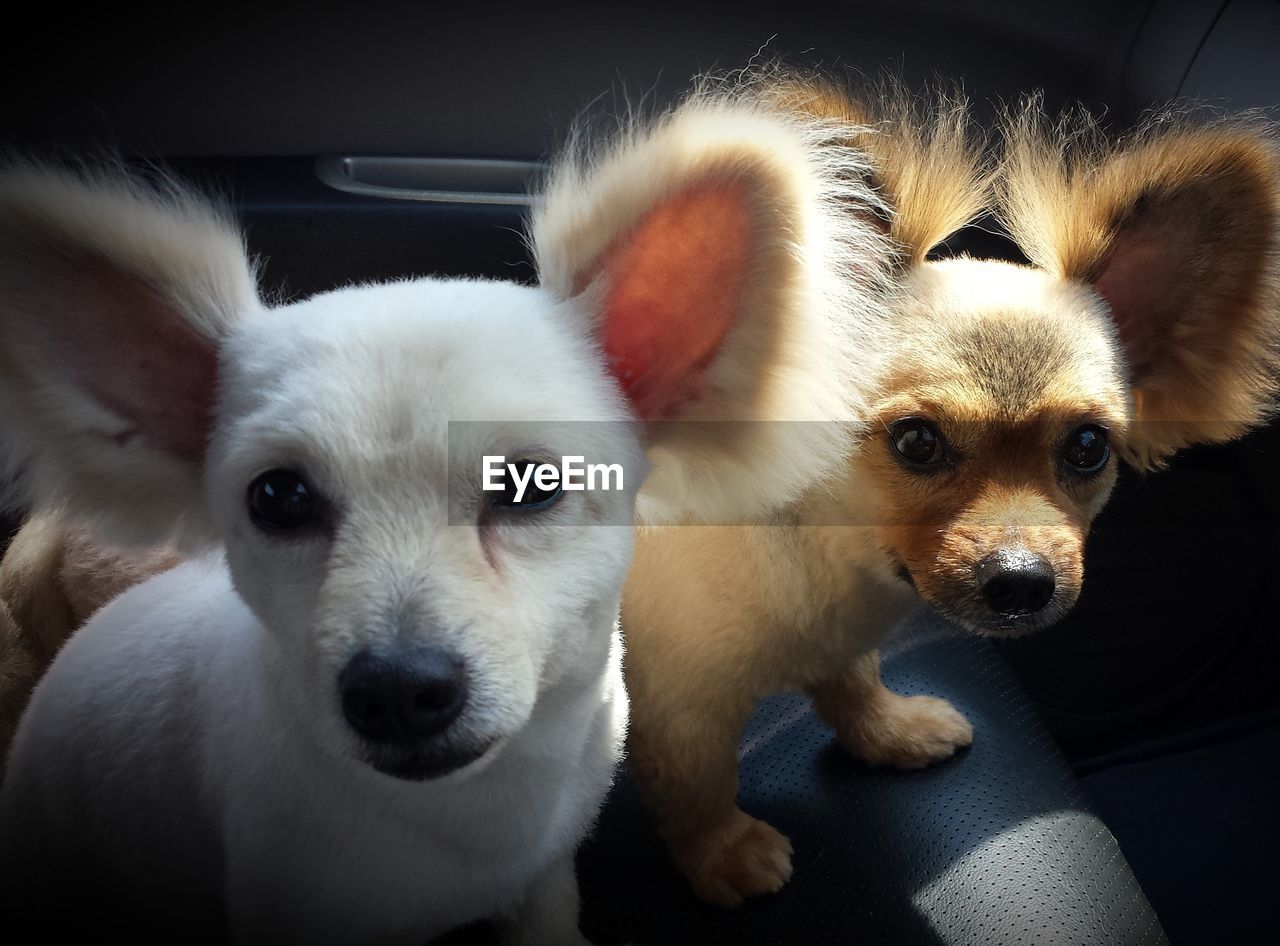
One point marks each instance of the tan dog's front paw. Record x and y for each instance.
(908, 732)
(746, 859)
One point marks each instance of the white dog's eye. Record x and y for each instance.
(521, 491)
(279, 501)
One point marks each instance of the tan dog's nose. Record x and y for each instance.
(1015, 581)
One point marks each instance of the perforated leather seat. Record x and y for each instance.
(996, 846)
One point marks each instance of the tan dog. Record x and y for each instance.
(53, 577)
(1147, 322)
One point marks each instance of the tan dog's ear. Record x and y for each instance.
(930, 159)
(1178, 229)
(725, 282)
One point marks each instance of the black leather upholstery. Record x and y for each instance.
(996, 846)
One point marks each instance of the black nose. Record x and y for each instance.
(1015, 581)
(405, 698)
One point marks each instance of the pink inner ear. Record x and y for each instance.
(1140, 283)
(675, 288)
(131, 351)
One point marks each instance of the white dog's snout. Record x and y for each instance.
(404, 696)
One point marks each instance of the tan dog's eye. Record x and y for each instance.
(918, 442)
(1086, 451)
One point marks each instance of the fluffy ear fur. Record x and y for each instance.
(930, 159)
(114, 294)
(727, 282)
(1177, 227)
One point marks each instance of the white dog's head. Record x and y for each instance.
(703, 268)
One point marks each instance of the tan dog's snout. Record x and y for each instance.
(1010, 563)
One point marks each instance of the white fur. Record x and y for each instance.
(214, 693)
(835, 276)
(189, 743)
(188, 250)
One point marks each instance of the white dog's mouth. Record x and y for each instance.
(420, 763)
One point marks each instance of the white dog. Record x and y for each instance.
(380, 701)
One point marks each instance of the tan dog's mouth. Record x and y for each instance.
(975, 616)
(1010, 626)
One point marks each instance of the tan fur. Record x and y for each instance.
(884, 728)
(929, 157)
(1007, 361)
(53, 577)
(18, 671)
(760, 615)
(1195, 203)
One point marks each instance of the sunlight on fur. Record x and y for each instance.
(1008, 394)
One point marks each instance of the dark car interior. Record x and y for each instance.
(1121, 785)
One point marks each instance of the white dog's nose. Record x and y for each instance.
(405, 698)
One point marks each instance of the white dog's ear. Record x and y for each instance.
(728, 261)
(114, 296)
(1178, 229)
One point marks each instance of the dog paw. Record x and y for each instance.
(748, 859)
(909, 732)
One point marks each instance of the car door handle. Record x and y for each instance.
(443, 180)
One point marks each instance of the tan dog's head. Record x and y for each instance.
(993, 443)
(1147, 322)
